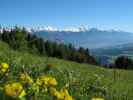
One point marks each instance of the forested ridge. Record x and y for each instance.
(20, 39)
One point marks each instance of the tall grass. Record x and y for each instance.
(86, 81)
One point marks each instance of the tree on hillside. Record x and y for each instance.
(5, 35)
(124, 62)
(40, 45)
(16, 38)
(20, 38)
(49, 48)
(31, 43)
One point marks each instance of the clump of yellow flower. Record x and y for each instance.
(56, 94)
(4, 68)
(42, 84)
(66, 94)
(97, 98)
(25, 78)
(49, 83)
(14, 90)
(62, 95)
(45, 81)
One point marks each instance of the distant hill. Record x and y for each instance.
(103, 44)
(91, 39)
(123, 49)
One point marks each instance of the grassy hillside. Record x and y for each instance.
(85, 81)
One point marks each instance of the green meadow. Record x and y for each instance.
(85, 81)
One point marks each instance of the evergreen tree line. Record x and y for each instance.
(123, 62)
(20, 39)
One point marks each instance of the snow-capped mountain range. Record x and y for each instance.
(88, 38)
(53, 29)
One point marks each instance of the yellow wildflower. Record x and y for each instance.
(42, 83)
(25, 78)
(45, 89)
(52, 81)
(4, 65)
(64, 92)
(14, 90)
(55, 93)
(4, 68)
(22, 94)
(38, 82)
(97, 98)
(36, 87)
(45, 81)
(68, 98)
(59, 95)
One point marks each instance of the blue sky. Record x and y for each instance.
(103, 14)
